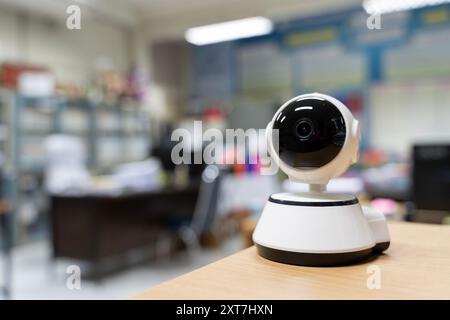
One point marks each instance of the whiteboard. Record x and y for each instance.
(328, 68)
(425, 55)
(403, 114)
(265, 72)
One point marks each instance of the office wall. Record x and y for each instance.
(71, 54)
(408, 113)
(395, 80)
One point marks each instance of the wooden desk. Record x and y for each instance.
(416, 266)
(97, 227)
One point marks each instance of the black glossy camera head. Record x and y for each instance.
(311, 132)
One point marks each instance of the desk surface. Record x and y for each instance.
(416, 266)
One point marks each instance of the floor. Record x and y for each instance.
(34, 277)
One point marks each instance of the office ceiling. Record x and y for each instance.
(119, 12)
(171, 17)
(157, 10)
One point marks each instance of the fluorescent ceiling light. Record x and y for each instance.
(385, 6)
(230, 30)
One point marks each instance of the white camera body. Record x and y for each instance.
(313, 138)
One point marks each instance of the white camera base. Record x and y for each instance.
(319, 229)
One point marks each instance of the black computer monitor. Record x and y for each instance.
(431, 176)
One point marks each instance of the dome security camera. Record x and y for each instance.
(313, 138)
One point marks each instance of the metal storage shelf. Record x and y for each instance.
(28, 121)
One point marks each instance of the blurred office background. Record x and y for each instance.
(86, 117)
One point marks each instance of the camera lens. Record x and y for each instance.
(304, 129)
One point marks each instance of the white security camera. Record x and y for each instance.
(313, 138)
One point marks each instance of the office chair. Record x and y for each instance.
(204, 213)
(205, 208)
